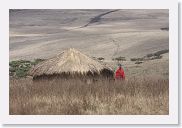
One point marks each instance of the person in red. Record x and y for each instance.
(119, 74)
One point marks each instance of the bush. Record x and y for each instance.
(119, 58)
(20, 68)
(156, 57)
(161, 52)
(100, 58)
(150, 55)
(136, 59)
(18, 63)
(22, 72)
(138, 62)
(166, 29)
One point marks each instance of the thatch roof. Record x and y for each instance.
(69, 61)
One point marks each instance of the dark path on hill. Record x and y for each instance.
(98, 18)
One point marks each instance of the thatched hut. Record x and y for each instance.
(70, 63)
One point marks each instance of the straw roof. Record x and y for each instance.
(70, 61)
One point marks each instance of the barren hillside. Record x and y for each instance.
(99, 33)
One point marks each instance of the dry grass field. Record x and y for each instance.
(136, 38)
(75, 97)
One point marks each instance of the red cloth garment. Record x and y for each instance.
(120, 73)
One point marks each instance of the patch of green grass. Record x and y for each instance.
(20, 68)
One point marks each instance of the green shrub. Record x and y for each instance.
(138, 62)
(166, 29)
(150, 55)
(18, 63)
(161, 52)
(22, 72)
(133, 59)
(100, 58)
(156, 57)
(136, 59)
(20, 68)
(120, 58)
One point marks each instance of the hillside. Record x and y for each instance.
(99, 33)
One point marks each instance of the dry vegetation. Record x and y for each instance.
(75, 97)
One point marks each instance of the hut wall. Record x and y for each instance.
(103, 74)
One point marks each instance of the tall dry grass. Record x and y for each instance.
(75, 97)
